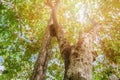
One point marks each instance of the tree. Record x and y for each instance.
(78, 59)
(23, 30)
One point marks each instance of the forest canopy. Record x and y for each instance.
(22, 27)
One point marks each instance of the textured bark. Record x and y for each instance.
(43, 58)
(81, 56)
(81, 59)
(65, 48)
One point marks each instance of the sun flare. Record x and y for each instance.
(81, 15)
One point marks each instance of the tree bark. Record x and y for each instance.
(81, 55)
(40, 67)
(81, 58)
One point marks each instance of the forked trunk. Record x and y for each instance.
(77, 59)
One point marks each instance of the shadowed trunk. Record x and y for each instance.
(40, 67)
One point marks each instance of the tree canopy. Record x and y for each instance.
(22, 27)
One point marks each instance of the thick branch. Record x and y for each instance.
(60, 35)
(88, 38)
(96, 27)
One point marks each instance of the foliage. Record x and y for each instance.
(22, 26)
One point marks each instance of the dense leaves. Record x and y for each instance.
(22, 26)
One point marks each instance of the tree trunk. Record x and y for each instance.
(40, 67)
(77, 59)
(80, 59)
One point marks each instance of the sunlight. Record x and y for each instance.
(85, 9)
(80, 15)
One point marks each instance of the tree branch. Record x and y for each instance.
(96, 27)
(60, 35)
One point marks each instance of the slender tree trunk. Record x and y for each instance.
(40, 67)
